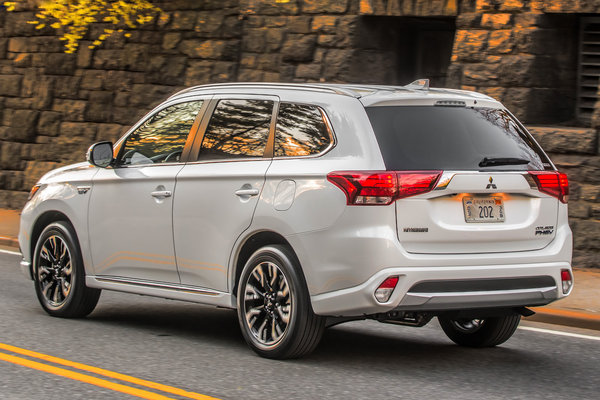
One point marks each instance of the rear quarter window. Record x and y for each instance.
(300, 131)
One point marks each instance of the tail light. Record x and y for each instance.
(567, 280)
(382, 187)
(384, 291)
(555, 184)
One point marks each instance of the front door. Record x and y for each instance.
(131, 205)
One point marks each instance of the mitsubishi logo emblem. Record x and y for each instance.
(491, 185)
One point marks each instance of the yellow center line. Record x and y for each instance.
(144, 394)
(107, 373)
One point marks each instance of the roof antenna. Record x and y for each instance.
(419, 84)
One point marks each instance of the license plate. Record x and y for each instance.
(483, 209)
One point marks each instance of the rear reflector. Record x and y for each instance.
(567, 280)
(384, 291)
(555, 184)
(382, 187)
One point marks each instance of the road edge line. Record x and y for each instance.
(559, 333)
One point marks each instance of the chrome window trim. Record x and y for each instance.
(328, 125)
(228, 160)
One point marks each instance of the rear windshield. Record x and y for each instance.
(453, 138)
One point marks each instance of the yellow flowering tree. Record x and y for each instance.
(73, 18)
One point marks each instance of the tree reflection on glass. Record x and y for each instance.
(508, 126)
(300, 131)
(162, 137)
(237, 129)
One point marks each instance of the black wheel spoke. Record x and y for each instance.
(54, 271)
(267, 303)
(468, 325)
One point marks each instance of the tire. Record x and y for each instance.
(272, 293)
(59, 274)
(486, 332)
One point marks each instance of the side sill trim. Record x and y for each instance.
(162, 289)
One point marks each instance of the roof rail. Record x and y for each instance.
(294, 86)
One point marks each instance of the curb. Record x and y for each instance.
(575, 319)
(9, 241)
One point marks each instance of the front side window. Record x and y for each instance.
(301, 131)
(237, 129)
(162, 137)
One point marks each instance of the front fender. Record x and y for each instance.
(58, 200)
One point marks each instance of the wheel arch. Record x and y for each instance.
(249, 245)
(42, 222)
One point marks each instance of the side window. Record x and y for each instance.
(237, 129)
(301, 131)
(162, 137)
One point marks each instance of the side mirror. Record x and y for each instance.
(100, 154)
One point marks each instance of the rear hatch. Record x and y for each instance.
(487, 173)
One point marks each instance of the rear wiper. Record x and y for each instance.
(489, 162)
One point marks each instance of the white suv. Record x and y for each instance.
(303, 206)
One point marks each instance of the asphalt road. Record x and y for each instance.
(201, 349)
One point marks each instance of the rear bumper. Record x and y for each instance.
(360, 300)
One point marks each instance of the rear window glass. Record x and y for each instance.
(453, 138)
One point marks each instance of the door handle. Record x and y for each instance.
(161, 194)
(246, 192)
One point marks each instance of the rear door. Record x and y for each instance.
(218, 191)
(486, 199)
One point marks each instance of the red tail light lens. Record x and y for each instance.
(413, 183)
(555, 184)
(567, 280)
(382, 187)
(369, 188)
(385, 290)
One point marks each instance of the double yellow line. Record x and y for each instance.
(92, 380)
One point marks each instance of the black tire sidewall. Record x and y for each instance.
(285, 261)
(64, 230)
(494, 331)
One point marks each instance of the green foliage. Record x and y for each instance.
(73, 18)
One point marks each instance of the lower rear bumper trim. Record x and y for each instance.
(465, 300)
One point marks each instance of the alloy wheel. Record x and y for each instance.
(468, 325)
(267, 303)
(55, 271)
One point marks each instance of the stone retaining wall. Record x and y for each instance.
(54, 105)
(576, 152)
